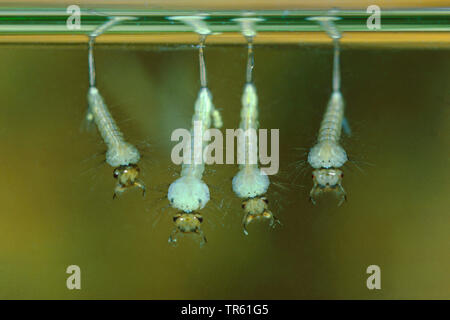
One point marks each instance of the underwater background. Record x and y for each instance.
(56, 206)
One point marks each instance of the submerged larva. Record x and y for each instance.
(250, 183)
(327, 155)
(121, 155)
(190, 193)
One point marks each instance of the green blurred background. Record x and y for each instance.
(56, 206)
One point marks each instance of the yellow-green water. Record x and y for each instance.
(56, 206)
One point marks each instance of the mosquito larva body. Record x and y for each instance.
(190, 193)
(328, 156)
(121, 155)
(327, 153)
(250, 183)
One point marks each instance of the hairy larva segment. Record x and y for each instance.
(119, 151)
(103, 119)
(249, 111)
(327, 153)
(331, 126)
(204, 109)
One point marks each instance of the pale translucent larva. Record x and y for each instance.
(327, 153)
(190, 193)
(121, 155)
(250, 183)
(327, 156)
(119, 151)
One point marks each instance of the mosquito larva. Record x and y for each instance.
(121, 155)
(327, 156)
(190, 193)
(250, 183)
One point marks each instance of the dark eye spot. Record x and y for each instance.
(243, 206)
(342, 175)
(171, 200)
(200, 201)
(200, 219)
(175, 219)
(265, 200)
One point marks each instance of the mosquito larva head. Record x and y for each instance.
(257, 208)
(256, 205)
(327, 180)
(127, 174)
(187, 223)
(127, 177)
